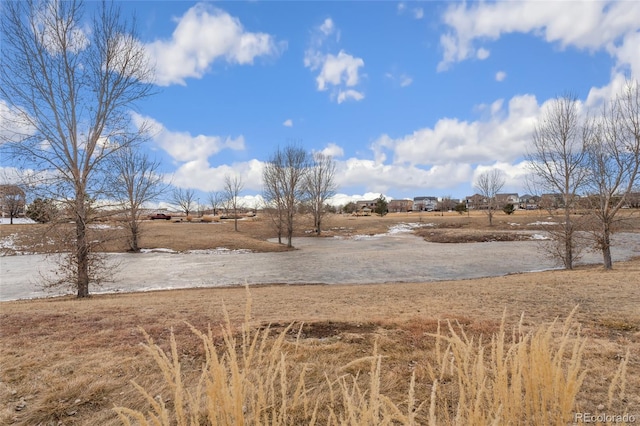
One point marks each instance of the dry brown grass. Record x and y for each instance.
(258, 381)
(72, 361)
(253, 233)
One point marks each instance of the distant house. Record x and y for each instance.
(504, 199)
(12, 201)
(529, 202)
(421, 204)
(366, 204)
(476, 202)
(551, 201)
(400, 206)
(633, 200)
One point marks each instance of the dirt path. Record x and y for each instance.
(376, 259)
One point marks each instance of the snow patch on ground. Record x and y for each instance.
(408, 227)
(400, 228)
(539, 237)
(543, 223)
(9, 246)
(103, 226)
(16, 221)
(217, 250)
(158, 250)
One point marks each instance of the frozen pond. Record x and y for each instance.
(395, 257)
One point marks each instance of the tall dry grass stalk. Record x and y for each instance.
(534, 379)
(525, 378)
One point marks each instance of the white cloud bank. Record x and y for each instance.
(340, 72)
(612, 26)
(203, 35)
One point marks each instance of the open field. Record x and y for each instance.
(68, 361)
(254, 232)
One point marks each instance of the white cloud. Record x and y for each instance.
(13, 125)
(339, 70)
(482, 54)
(343, 199)
(203, 35)
(345, 95)
(405, 80)
(183, 146)
(381, 178)
(604, 25)
(401, 7)
(501, 75)
(333, 150)
(418, 13)
(288, 123)
(199, 174)
(514, 174)
(327, 27)
(502, 137)
(336, 72)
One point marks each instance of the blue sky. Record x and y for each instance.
(411, 98)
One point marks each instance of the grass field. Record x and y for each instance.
(68, 361)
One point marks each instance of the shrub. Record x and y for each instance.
(189, 218)
(42, 210)
(509, 208)
(461, 208)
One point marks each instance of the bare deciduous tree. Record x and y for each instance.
(216, 199)
(273, 196)
(12, 201)
(284, 188)
(556, 159)
(488, 185)
(185, 199)
(233, 186)
(71, 84)
(136, 183)
(320, 185)
(613, 163)
(446, 204)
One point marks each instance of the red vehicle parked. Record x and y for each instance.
(160, 216)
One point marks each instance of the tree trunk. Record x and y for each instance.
(290, 229)
(135, 232)
(606, 246)
(82, 248)
(568, 239)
